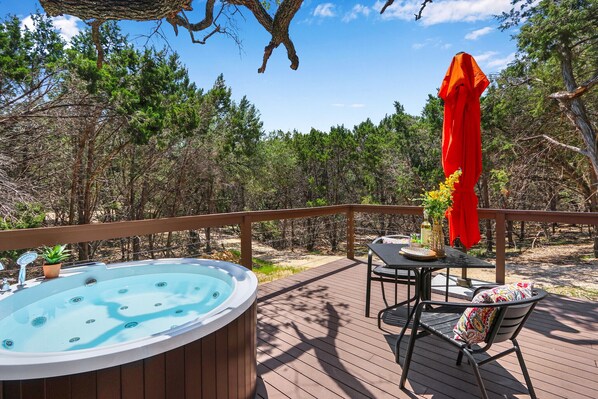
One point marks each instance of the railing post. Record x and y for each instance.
(500, 247)
(350, 233)
(246, 251)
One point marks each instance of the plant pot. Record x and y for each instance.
(52, 271)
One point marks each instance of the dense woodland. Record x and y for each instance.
(137, 139)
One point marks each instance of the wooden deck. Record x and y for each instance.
(315, 342)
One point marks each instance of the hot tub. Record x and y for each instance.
(182, 327)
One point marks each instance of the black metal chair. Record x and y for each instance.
(394, 276)
(439, 318)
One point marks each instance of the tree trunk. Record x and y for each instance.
(76, 174)
(575, 109)
(593, 208)
(510, 240)
(554, 198)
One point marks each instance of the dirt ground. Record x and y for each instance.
(568, 269)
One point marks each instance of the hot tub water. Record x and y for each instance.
(112, 312)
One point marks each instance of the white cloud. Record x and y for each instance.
(65, 25)
(357, 105)
(27, 23)
(324, 10)
(485, 57)
(478, 33)
(442, 11)
(357, 10)
(432, 42)
(499, 64)
(492, 62)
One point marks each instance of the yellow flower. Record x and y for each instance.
(436, 202)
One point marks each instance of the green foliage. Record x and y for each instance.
(316, 203)
(436, 202)
(150, 88)
(55, 254)
(500, 180)
(27, 216)
(549, 27)
(27, 56)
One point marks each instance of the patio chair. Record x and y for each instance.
(439, 319)
(394, 276)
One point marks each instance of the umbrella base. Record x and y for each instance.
(464, 282)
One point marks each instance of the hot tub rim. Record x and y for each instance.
(31, 365)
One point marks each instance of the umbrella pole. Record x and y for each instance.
(464, 281)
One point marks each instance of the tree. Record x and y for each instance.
(29, 89)
(563, 31)
(173, 11)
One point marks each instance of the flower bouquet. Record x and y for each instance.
(436, 203)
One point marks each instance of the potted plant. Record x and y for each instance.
(53, 258)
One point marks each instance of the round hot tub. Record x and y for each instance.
(183, 328)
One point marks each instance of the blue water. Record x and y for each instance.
(112, 312)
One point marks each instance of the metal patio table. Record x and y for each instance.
(422, 269)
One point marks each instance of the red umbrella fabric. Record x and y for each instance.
(461, 89)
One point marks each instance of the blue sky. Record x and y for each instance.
(354, 62)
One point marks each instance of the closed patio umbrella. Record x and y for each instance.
(461, 89)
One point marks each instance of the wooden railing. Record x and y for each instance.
(31, 238)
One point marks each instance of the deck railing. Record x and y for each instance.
(31, 238)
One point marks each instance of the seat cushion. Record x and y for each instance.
(474, 324)
(395, 240)
(394, 272)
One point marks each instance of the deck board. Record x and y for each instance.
(315, 342)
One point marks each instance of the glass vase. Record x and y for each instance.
(437, 239)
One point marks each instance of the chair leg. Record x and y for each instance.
(459, 357)
(407, 356)
(383, 294)
(408, 292)
(446, 292)
(528, 380)
(368, 287)
(476, 372)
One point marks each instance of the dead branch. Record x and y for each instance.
(567, 146)
(570, 95)
(97, 12)
(417, 16)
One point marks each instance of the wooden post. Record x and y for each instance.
(246, 251)
(350, 233)
(500, 247)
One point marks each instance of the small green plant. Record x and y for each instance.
(415, 239)
(55, 254)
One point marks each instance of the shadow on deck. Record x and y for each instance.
(315, 342)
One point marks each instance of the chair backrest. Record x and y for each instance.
(512, 316)
(392, 239)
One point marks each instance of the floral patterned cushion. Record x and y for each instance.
(474, 324)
